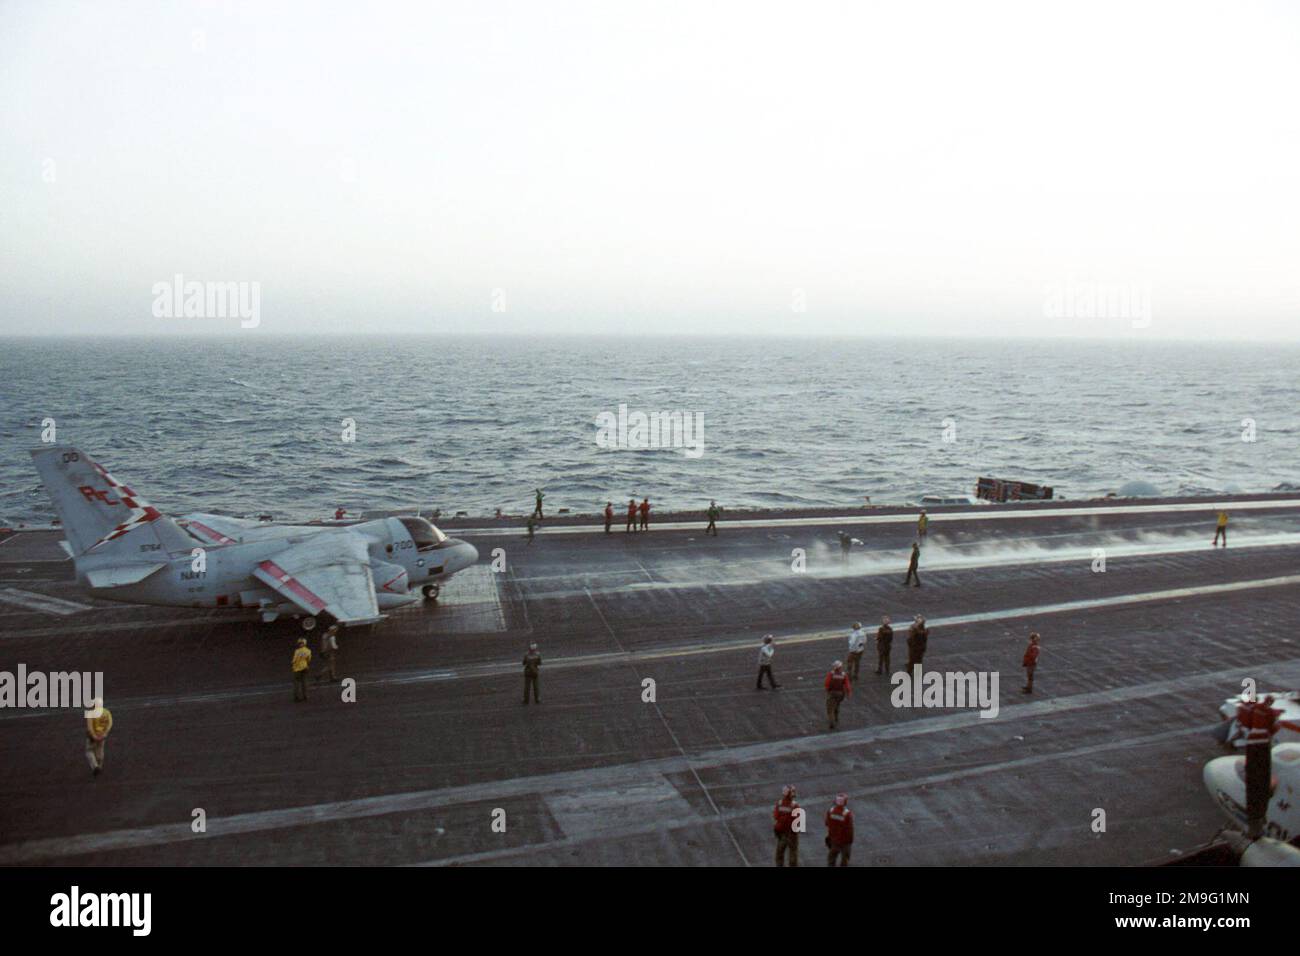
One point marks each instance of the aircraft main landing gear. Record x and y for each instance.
(431, 592)
(309, 624)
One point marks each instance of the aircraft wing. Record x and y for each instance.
(216, 529)
(327, 573)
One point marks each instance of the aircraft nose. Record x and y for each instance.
(465, 554)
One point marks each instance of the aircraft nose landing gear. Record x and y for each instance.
(309, 624)
(430, 592)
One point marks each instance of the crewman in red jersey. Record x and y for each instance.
(837, 688)
(645, 514)
(1030, 663)
(839, 831)
(631, 515)
(609, 515)
(339, 514)
(787, 824)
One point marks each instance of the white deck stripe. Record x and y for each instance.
(41, 602)
(594, 777)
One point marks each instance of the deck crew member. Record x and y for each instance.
(1221, 530)
(609, 515)
(301, 661)
(912, 574)
(884, 644)
(918, 638)
(97, 728)
(765, 654)
(537, 508)
(786, 816)
(329, 647)
(839, 831)
(532, 667)
(631, 515)
(846, 542)
(338, 514)
(922, 523)
(645, 514)
(713, 513)
(1030, 662)
(837, 688)
(532, 527)
(857, 644)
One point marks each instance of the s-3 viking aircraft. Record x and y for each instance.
(124, 549)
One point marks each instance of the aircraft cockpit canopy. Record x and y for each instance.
(424, 534)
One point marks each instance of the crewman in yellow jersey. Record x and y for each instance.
(97, 727)
(922, 524)
(1221, 530)
(301, 661)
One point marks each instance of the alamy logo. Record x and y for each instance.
(638, 430)
(946, 689)
(103, 909)
(54, 689)
(1100, 300)
(179, 299)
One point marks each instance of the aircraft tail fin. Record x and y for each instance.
(100, 514)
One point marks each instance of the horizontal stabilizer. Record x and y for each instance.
(121, 575)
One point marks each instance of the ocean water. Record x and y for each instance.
(254, 423)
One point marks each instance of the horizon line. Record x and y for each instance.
(233, 334)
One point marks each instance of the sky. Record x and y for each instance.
(1114, 169)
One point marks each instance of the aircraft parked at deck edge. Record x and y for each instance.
(126, 550)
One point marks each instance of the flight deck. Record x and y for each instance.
(651, 745)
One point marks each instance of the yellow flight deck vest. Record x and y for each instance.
(101, 725)
(301, 658)
(1223, 519)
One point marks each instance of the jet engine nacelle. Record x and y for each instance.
(389, 578)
